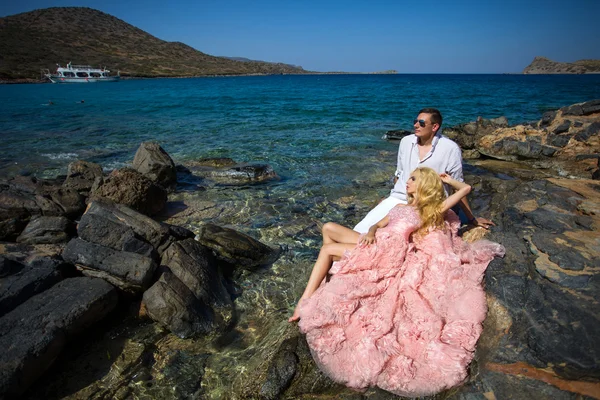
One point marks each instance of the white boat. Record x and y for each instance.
(80, 74)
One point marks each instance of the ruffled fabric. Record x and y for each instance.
(400, 315)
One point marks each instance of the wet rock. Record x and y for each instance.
(171, 303)
(281, 371)
(131, 188)
(152, 161)
(236, 248)
(27, 281)
(44, 230)
(129, 271)
(82, 176)
(34, 334)
(195, 266)
(243, 172)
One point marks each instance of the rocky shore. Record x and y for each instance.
(108, 290)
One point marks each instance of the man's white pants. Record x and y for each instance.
(377, 214)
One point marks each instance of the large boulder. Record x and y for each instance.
(191, 297)
(235, 247)
(154, 163)
(173, 305)
(131, 272)
(131, 188)
(34, 334)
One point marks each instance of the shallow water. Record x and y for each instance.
(321, 134)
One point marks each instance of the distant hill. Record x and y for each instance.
(42, 38)
(244, 59)
(542, 65)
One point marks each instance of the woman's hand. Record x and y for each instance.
(369, 238)
(446, 178)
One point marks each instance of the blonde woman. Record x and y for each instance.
(404, 304)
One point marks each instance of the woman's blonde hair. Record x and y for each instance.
(428, 199)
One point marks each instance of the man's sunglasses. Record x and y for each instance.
(421, 122)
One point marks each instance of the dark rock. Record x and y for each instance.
(44, 230)
(563, 127)
(71, 204)
(593, 129)
(16, 209)
(587, 108)
(27, 282)
(547, 118)
(82, 176)
(591, 107)
(397, 134)
(153, 162)
(280, 373)
(171, 303)
(131, 188)
(9, 266)
(128, 271)
(118, 236)
(236, 248)
(244, 172)
(101, 216)
(195, 266)
(558, 140)
(35, 333)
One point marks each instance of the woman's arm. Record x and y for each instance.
(369, 238)
(461, 190)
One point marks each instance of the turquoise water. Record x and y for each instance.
(301, 125)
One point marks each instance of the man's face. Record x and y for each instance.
(426, 131)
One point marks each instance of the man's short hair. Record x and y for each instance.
(436, 115)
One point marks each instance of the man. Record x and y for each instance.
(425, 148)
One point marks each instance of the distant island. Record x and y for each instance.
(543, 65)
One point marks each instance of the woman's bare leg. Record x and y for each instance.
(336, 233)
(328, 254)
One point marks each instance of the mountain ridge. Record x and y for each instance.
(39, 39)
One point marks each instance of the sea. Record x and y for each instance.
(321, 134)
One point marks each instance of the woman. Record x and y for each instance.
(403, 307)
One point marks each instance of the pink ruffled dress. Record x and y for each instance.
(400, 315)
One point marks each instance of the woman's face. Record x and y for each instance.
(411, 183)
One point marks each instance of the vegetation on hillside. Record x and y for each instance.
(42, 38)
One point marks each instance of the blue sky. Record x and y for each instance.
(460, 36)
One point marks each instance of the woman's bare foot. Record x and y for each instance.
(295, 316)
